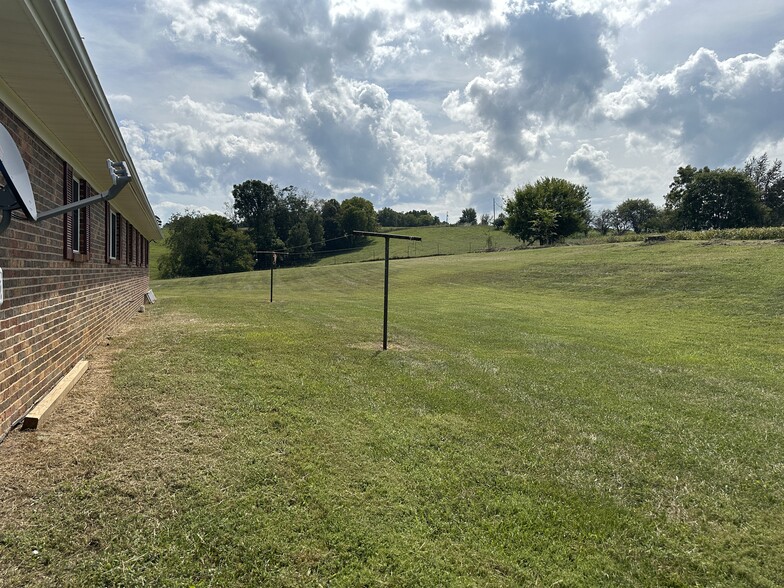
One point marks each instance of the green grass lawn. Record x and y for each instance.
(436, 240)
(577, 416)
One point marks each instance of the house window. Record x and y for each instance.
(114, 235)
(77, 222)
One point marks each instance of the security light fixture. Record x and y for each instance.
(16, 193)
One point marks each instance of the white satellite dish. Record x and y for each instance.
(17, 192)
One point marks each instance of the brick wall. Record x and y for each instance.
(55, 309)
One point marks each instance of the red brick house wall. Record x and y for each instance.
(58, 305)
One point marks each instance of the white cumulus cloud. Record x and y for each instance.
(714, 110)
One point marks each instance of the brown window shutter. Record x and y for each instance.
(67, 218)
(85, 246)
(107, 221)
(128, 243)
(121, 223)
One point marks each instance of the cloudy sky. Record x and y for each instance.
(436, 104)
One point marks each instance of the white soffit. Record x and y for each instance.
(46, 78)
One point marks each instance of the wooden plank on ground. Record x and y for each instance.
(44, 409)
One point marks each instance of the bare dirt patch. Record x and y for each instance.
(33, 461)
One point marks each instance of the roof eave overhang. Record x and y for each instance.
(98, 137)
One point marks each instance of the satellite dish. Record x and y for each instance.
(17, 192)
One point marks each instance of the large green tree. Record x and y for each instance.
(202, 245)
(467, 217)
(714, 199)
(637, 213)
(255, 207)
(299, 244)
(291, 209)
(271, 214)
(547, 210)
(330, 219)
(357, 214)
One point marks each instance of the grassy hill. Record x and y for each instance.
(439, 240)
(436, 240)
(157, 248)
(580, 416)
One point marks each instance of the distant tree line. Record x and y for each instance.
(267, 218)
(414, 218)
(551, 209)
(203, 245)
(285, 220)
(704, 199)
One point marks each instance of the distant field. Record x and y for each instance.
(605, 415)
(436, 240)
(440, 240)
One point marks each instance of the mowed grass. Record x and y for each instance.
(436, 240)
(579, 416)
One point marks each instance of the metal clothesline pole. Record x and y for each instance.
(386, 237)
(273, 261)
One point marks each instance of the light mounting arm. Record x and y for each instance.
(118, 170)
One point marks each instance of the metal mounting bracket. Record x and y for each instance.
(118, 170)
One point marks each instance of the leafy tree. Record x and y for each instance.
(468, 217)
(768, 178)
(602, 221)
(714, 199)
(388, 217)
(499, 221)
(619, 224)
(204, 245)
(418, 218)
(255, 206)
(484, 219)
(271, 214)
(530, 210)
(290, 209)
(544, 226)
(299, 242)
(330, 218)
(637, 213)
(357, 214)
(315, 228)
(680, 183)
